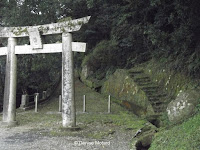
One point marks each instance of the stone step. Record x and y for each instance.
(154, 100)
(151, 97)
(154, 117)
(159, 95)
(142, 80)
(142, 77)
(157, 103)
(159, 110)
(159, 114)
(149, 87)
(150, 91)
(159, 107)
(160, 104)
(145, 83)
(135, 71)
(139, 76)
(151, 94)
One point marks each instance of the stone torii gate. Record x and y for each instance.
(36, 46)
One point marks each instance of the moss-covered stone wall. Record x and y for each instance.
(121, 86)
(172, 82)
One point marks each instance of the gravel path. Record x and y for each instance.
(23, 138)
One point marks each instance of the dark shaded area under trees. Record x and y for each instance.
(120, 34)
(137, 31)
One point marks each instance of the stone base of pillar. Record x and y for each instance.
(70, 128)
(9, 124)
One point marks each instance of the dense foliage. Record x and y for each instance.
(120, 34)
(162, 29)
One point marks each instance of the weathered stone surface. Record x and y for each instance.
(68, 101)
(35, 38)
(183, 106)
(145, 141)
(9, 106)
(24, 101)
(86, 78)
(53, 28)
(121, 86)
(85, 72)
(145, 136)
(47, 48)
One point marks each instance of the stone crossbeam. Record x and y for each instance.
(3, 51)
(53, 28)
(47, 48)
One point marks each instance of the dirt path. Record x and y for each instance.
(98, 129)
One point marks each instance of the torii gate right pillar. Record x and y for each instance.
(68, 102)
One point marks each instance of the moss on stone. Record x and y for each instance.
(19, 30)
(172, 82)
(121, 86)
(89, 83)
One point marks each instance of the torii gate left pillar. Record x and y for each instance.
(9, 107)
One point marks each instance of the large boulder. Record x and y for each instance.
(183, 106)
(122, 87)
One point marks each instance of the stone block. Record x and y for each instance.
(183, 106)
(121, 86)
(24, 101)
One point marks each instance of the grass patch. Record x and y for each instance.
(185, 136)
(41, 119)
(101, 134)
(124, 119)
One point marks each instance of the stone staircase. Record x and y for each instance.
(154, 93)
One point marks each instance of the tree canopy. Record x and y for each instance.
(120, 34)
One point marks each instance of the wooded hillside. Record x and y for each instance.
(120, 34)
